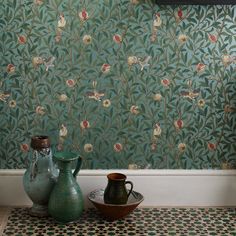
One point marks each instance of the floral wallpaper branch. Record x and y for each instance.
(127, 84)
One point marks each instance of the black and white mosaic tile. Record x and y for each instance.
(143, 221)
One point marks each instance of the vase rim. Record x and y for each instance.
(66, 156)
(40, 141)
(116, 176)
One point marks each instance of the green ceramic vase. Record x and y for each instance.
(40, 176)
(66, 200)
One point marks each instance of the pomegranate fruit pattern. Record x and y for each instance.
(128, 84)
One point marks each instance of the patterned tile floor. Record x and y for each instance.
(143, 221)
(4, 213)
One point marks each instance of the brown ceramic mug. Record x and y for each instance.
(116, 192)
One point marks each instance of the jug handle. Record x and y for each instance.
(131, 189)
(78, 166)
(34, 168)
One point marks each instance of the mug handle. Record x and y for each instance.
(131, 189)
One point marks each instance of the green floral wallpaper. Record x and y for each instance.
(128, 84)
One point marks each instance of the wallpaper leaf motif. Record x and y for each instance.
(128, 84)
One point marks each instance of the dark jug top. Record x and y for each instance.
(40, 142)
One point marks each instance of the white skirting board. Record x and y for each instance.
(161, 188)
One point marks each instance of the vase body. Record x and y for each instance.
(115, 191)
(40, 176)
(66, 202)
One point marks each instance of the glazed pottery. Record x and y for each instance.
(113, 211)
(40, 176)
(66, 200)
(116, 192)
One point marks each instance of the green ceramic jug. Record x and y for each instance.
(40, 176)
(66, 200)
(116, 192)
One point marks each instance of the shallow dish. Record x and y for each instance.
(111, 211)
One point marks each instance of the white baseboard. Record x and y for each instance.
(188, 188)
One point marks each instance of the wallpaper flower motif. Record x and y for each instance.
(127, 84)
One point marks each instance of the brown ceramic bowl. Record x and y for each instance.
(114, 212)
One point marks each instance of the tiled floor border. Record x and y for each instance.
(143, 221)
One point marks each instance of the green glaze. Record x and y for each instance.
(116, 192)
(66, 200)
(39, 180)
